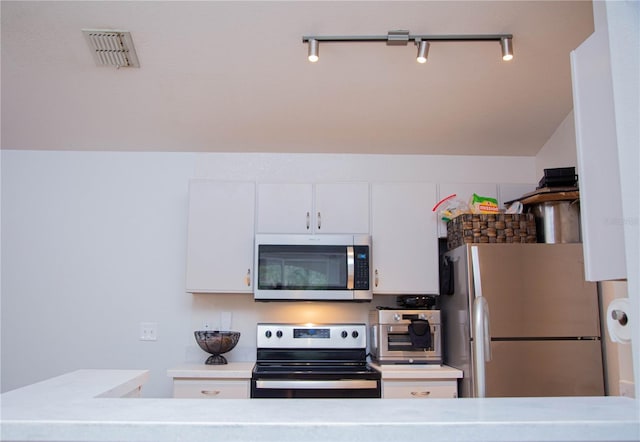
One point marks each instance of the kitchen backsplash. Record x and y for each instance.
(246, 313)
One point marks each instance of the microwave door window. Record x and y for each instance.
(302, 268)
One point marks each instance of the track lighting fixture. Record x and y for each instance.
(507, 48)
(401, 38)
(423, 51)
(313, 50)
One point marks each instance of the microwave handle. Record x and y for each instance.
(350, 267)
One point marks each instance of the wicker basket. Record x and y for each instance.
(494, 228)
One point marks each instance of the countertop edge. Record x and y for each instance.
(74, 410)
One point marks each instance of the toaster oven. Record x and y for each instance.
(405, 336)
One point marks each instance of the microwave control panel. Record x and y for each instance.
(361, 268)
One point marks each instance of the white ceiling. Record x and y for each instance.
(233, 77)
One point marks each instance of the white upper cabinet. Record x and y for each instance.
(313, 208)
(220, 237)
(463, 192)
(404, 236)
(598, 168)
(284, 208)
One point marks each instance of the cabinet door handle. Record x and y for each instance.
(248, 278)
(420, 393)
(376, 278)
(319, 221)
(308, 220)
(210, 392)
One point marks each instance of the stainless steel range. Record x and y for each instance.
(313, 361)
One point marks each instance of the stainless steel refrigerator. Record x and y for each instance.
(522, 321)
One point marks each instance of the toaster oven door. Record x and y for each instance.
(397, 345)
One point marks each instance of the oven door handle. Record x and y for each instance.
(317, 385)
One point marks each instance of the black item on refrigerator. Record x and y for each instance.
(559, 177)
(446, 276)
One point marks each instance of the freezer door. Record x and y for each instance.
(545, 368)
(537, 290)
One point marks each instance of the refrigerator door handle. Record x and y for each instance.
(482, 314)
(480, 310)
(486, 330)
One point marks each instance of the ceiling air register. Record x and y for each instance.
(112, 48)
(402, 38)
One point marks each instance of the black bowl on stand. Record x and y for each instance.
(216, 343)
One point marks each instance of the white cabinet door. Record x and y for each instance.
(404, 237)
(285, 208)
(342, 208)
(416, 389)
(598, 168)
(220, 236)
(211, 389)
(309, 208)
(463, 192)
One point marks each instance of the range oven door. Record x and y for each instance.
(315, 388)
(323, 382)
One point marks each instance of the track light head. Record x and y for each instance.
(423, 51)
(506, 44)
(313, 50)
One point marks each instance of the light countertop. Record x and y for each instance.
(417, 371)
(242, 370)
(82, 406)
(232, 370)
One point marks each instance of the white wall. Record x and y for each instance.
(93, 244)
(560, 149)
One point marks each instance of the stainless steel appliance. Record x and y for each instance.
(313, 267)
(523, 321)
(313, 361)
(401, 336)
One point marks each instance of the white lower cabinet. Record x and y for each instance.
(211, 388)
(419, 389)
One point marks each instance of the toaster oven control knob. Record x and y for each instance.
(355, 334)
(267, 333)
(344, 334)
(279, 333)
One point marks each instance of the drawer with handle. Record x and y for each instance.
(211, 389)
(419, 389)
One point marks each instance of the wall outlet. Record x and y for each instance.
(148, 331)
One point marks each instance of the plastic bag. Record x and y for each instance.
(450, 207)
(483, 204)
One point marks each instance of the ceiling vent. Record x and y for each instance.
(112, 48)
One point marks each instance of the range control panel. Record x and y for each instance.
(312, 336)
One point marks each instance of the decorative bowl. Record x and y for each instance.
(216, 343)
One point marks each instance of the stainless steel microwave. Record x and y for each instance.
(312, 267)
